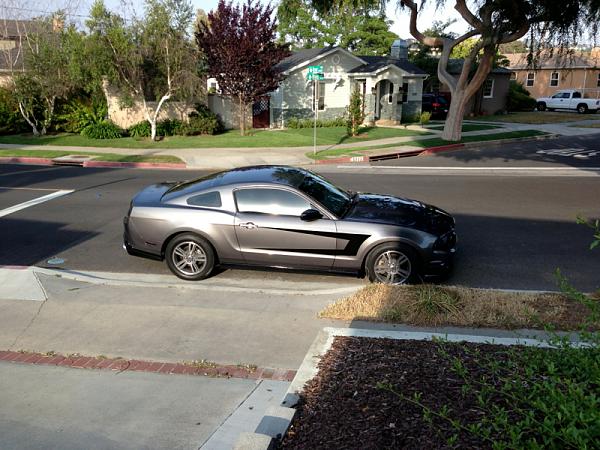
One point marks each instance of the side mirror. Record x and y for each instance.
(310, 214)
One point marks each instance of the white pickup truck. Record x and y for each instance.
(568, 99)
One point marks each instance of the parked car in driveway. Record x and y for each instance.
(436, 104)
(286, 217)
(569, 99)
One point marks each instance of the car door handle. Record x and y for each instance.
(249, 225)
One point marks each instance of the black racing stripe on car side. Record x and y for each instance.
(351, 249)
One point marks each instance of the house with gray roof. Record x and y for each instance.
(391, 86)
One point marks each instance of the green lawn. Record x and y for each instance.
(259, 138)
(534, 117)
(98, 156)
(469, 127)
(425, 143)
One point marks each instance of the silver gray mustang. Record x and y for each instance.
(285, 217)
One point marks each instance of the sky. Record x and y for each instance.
(22, 8)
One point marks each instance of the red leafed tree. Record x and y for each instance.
(238, 43)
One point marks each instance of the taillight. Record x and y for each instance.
(436, 105)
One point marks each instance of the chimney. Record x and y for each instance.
(399, 49)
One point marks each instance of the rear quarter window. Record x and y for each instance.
(208, 199)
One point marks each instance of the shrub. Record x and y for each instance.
(169, 127)
(356, 115)
(296, 123)
(103, 130)
(140, 129)
(11, 120)
(519, 98)
(201, 125)
(79, 114)
(425, 117)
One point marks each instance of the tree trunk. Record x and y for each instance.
(30, 122)
(152, 129)
(242, 118)
(454, 119)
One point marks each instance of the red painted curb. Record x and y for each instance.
(440, 148)
(122, 365)
(27, 160)
(134, 165)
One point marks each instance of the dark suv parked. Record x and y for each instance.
(436, 105)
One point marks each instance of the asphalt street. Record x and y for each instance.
(514, 230)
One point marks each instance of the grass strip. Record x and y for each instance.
(113, 157)
(430, 305)
(425, 143)
(469, 127)
(302, 137)
(533, 117)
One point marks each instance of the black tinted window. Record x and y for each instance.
(328, 195)
(210, 199)
(575, 95)
(270, 201)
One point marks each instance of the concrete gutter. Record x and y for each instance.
(277, 420)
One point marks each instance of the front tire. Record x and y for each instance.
(393, 264)
(582, 109)
(190, 257)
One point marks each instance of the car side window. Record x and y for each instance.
(576, 94)
(270, 201)
(209, 199)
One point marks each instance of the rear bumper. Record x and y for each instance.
(130, 249)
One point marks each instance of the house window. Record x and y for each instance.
(598, 82)
(530, 79)
(320, 88)
(391, 92)
(554, 79)
(404, 92)
(488, 88)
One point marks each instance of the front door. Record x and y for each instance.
(261, 113)
(270, 232)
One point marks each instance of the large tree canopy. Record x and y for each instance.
(493, 23)
(238, 44)
(362, 30)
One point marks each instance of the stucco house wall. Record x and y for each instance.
(228, 111)
(126, 116)
(293, 99)
(578, 71)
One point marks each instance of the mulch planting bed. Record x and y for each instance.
(349, 405)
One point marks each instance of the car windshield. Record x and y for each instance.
(331, 197)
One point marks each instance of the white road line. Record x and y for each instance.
(35, 201)
(7, 188)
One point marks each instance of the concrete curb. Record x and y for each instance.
(97, 164)
(429, 151)
(283, 416)
(26, 160)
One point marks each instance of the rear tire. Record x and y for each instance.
(393, 264)
(190, 257)
(541, 106)
(582, 109)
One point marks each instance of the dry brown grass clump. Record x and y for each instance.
(430, 305)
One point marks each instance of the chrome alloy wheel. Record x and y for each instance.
(392, 267)
(189, 258)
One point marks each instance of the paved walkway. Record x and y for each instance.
(212, 158)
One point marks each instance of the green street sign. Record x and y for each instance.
(315, 76)
(315, 69)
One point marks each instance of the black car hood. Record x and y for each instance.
(399, 211)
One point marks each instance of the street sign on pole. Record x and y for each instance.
(315, 74)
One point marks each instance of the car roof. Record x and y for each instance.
(282, 175)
